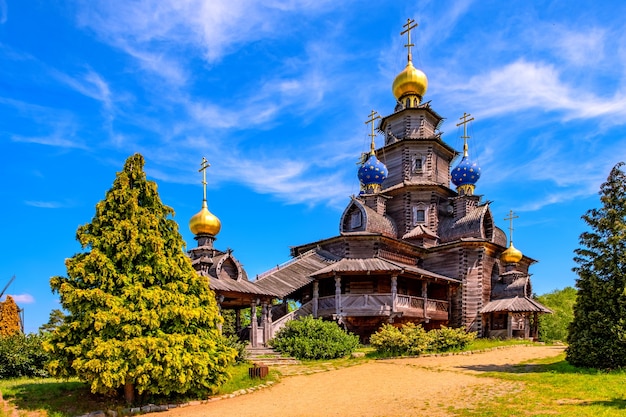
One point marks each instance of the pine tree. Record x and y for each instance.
(597, 335)
(140, 318)
(9, 318)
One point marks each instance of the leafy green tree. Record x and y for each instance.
(54, 321)
(597, 336)
(554, 327)
(140, 318)
(9, 317)
(22, 356)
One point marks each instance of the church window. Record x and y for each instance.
(417, 164)
(408, 102)
(356, 220)
(419, 215)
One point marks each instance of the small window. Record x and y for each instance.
(417, 164)
(419, 215)
(356, 220)
(408, 103)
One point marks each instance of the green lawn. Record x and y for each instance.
(552, 387)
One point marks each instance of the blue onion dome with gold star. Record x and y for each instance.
(372, 173)
(466, 174)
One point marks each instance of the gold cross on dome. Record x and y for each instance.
(464, 122)
(203, 166)
(510, 219)
(410, 25)
(372, 117)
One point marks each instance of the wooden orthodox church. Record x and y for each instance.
(409, 249)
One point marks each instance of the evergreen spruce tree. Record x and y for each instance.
(597, 335)
(9, 318)
(140, 318)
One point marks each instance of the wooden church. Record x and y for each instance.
(410, 248)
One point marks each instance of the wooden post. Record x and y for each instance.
(394, 293)
(425, 298)
(316, 297)
(268, 323)
(264, 321)
(337, 295)
(238, 319)
(509, 325)
(253, 324)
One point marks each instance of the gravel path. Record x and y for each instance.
(398, 387)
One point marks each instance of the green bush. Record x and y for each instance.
(239, 346)
(22, 356)
(309, 338)
(412, 339)
(389, 341)
(446, 339)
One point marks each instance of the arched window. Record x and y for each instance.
(419, 214)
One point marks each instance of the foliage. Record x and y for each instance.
(239, 347)
(412, 339)
(554, 327)
(22, 356)
(446, 339)
(54, 321)
(9, 317)
(140, 317)
(309, 338)
(597, 336)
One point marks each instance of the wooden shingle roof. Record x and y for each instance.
(516, 305)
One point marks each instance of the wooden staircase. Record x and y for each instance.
(268, 356)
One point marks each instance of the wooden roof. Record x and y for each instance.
(295, 274)
(377, 265)
(516, 305)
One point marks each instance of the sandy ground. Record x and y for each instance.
(398, 387)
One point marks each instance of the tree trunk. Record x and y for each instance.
(129, 393)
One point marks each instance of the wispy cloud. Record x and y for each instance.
(56, 140)
(47, 204)
(23, 298)
(3, 12)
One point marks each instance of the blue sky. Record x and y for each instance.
(275, 96)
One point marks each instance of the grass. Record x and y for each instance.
(552, 387)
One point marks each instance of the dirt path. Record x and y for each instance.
(399, 387)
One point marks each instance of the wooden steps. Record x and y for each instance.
(268, 356)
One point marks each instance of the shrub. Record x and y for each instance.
(22, 356)
(309, 338)
(412, 339)
(446, 339)
(389, 341)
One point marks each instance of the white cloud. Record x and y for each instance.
(23, 298)
(45, 204)
(56, 140)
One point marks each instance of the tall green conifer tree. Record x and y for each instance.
(9, 318)
(597, 335)
(140, 318)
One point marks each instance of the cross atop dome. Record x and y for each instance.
(465, 137)
(410, 25)
(372, 118)
(204, 222)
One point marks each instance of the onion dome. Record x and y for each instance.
(410, 81)
(204, 222)
(466, 174)
(511, 255)
(372, 173)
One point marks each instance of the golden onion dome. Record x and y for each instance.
(511, 255)
(410, 81)
(204, 222)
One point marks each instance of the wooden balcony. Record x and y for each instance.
(356, 305)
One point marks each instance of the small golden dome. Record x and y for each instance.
(410, 81)
(511, 255)
(204, 222)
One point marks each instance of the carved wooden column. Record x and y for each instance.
(264, 322)
(253, 324)
(509, 325)
(425, 297)
(316, 297)
(394, 293)
(238, 320)
(337, 294)
(268, 324)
